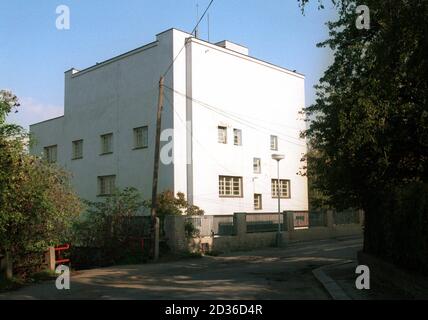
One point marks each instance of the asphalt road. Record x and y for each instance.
(272, 273)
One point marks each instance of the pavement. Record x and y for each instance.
(268, 274)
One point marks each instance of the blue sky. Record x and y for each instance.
(34, 54)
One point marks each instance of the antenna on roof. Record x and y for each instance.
(197, 19)
(208, 19)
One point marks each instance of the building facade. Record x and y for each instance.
(225, 114)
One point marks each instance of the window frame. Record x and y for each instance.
(47, 155)
(73, 149)
(99, 179)
(223, 128)
(256, 195)
(231, 186)
(288, 182)
(237, 133)
(274, 145)
(259, 171)
(102, 143)
(145, 142)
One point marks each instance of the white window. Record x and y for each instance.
(274, 143)
(284, 186)
(258, 201)
(141, 137)
(77, 149)
(51, 154)
(230, 186)
(237, 137)
(222, 135)
(107, 143)
(106, 185)
(257, 165)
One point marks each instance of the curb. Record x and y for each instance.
(331, 286)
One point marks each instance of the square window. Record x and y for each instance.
(141, 137)
(107, 143)
(77, 149)
(106, 185)
(274, 143)
(230, 187)
(257, 165)
(258, 201)
(237, 137)
(51, 154)
(222, 135)
(284, 187)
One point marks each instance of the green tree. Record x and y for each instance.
(370, 118)
(37, 203)
(107, 221)
(168, 204)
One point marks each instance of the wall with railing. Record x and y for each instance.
(243, 231)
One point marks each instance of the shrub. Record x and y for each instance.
(397, 227)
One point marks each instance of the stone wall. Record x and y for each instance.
(242, 240)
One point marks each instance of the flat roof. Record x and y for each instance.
(56, 118)
(149, 45)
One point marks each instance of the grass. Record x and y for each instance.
(9, 285)
(213, 253)
(17, 282)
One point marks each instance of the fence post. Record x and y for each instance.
(290, 223)
(156, 253)
(361, 217)
(240, 223)
(9, 266)
(175, 232)
(330, 219)
(50, 258)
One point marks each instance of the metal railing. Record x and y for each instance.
(213, 225)
(265, 222)
(317, 218)
(349, 216)
(223, 225)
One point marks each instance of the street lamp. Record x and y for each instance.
(278, 158)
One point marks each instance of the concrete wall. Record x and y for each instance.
(241, 240)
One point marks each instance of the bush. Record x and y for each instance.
(397, 227)
(37, 203)
(111, 232)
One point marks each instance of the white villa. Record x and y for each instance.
(229, 112)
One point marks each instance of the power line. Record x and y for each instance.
(265, 185)
(194, 138)
(193, 31)
(240, 120)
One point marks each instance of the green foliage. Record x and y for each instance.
(106, 221)
(370, 122)
(398, 231)
(168, 204)
(111, 231)
(190, 230)
(37, 203)
(371, 116)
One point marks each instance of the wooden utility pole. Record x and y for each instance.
(156, 169)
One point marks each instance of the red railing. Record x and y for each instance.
(58, 254)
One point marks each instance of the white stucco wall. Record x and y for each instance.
(264, 100)
(115, 96)
(121, 94)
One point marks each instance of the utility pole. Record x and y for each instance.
(154, 245)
